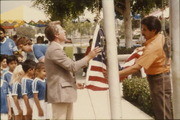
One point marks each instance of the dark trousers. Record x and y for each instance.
(160, 87)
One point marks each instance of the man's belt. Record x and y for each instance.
(156, 75)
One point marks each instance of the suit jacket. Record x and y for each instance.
(61, 83)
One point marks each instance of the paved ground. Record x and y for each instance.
(95, 105)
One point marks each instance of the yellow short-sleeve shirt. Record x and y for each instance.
(153, 58)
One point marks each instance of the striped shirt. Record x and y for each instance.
(7, 77)
(4, 94)
(27, 87)
(39, 86)
(16, 90)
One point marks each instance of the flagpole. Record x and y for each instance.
(175, 32)
(112, 60)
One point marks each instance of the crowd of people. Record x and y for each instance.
(23, 77)
(26, 91)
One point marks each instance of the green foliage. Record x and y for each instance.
(136, 90)
(84, 28)
(25, 31)
(142, 7)
(70, 27)
(136, 36)
(124, 50)
(69, 52)
(63, 9)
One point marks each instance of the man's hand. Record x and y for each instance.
(41, 113)
(94, 52)
(140, 48)
(121, 79)
(80, 85)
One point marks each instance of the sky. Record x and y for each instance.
(7, 5)
(28, 12)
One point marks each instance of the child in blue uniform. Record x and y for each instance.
(29, 68)
(7, 45)
(39, 50)
(42, 110)
(3, 64)
(5, 112)
(12, 63)
(16, 92)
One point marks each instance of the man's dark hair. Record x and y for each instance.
(2, 29)
(152, 23)
(15, 36)
(90, 40)
(2, 57)
(28, 64)
(11, 58)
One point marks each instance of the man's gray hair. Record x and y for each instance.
(51, 30)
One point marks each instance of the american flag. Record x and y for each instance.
(132, 59)
(95, 79)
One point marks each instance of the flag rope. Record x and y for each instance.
(100, 68)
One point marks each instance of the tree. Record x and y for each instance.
(63, 9)
(128, 8)
(25, 31)
(84, 28)
(70, 27)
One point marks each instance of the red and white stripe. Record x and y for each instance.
(95, 79)
(132, 59)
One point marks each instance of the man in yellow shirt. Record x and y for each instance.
(154, 60)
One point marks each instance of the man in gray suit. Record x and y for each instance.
(61, 83)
